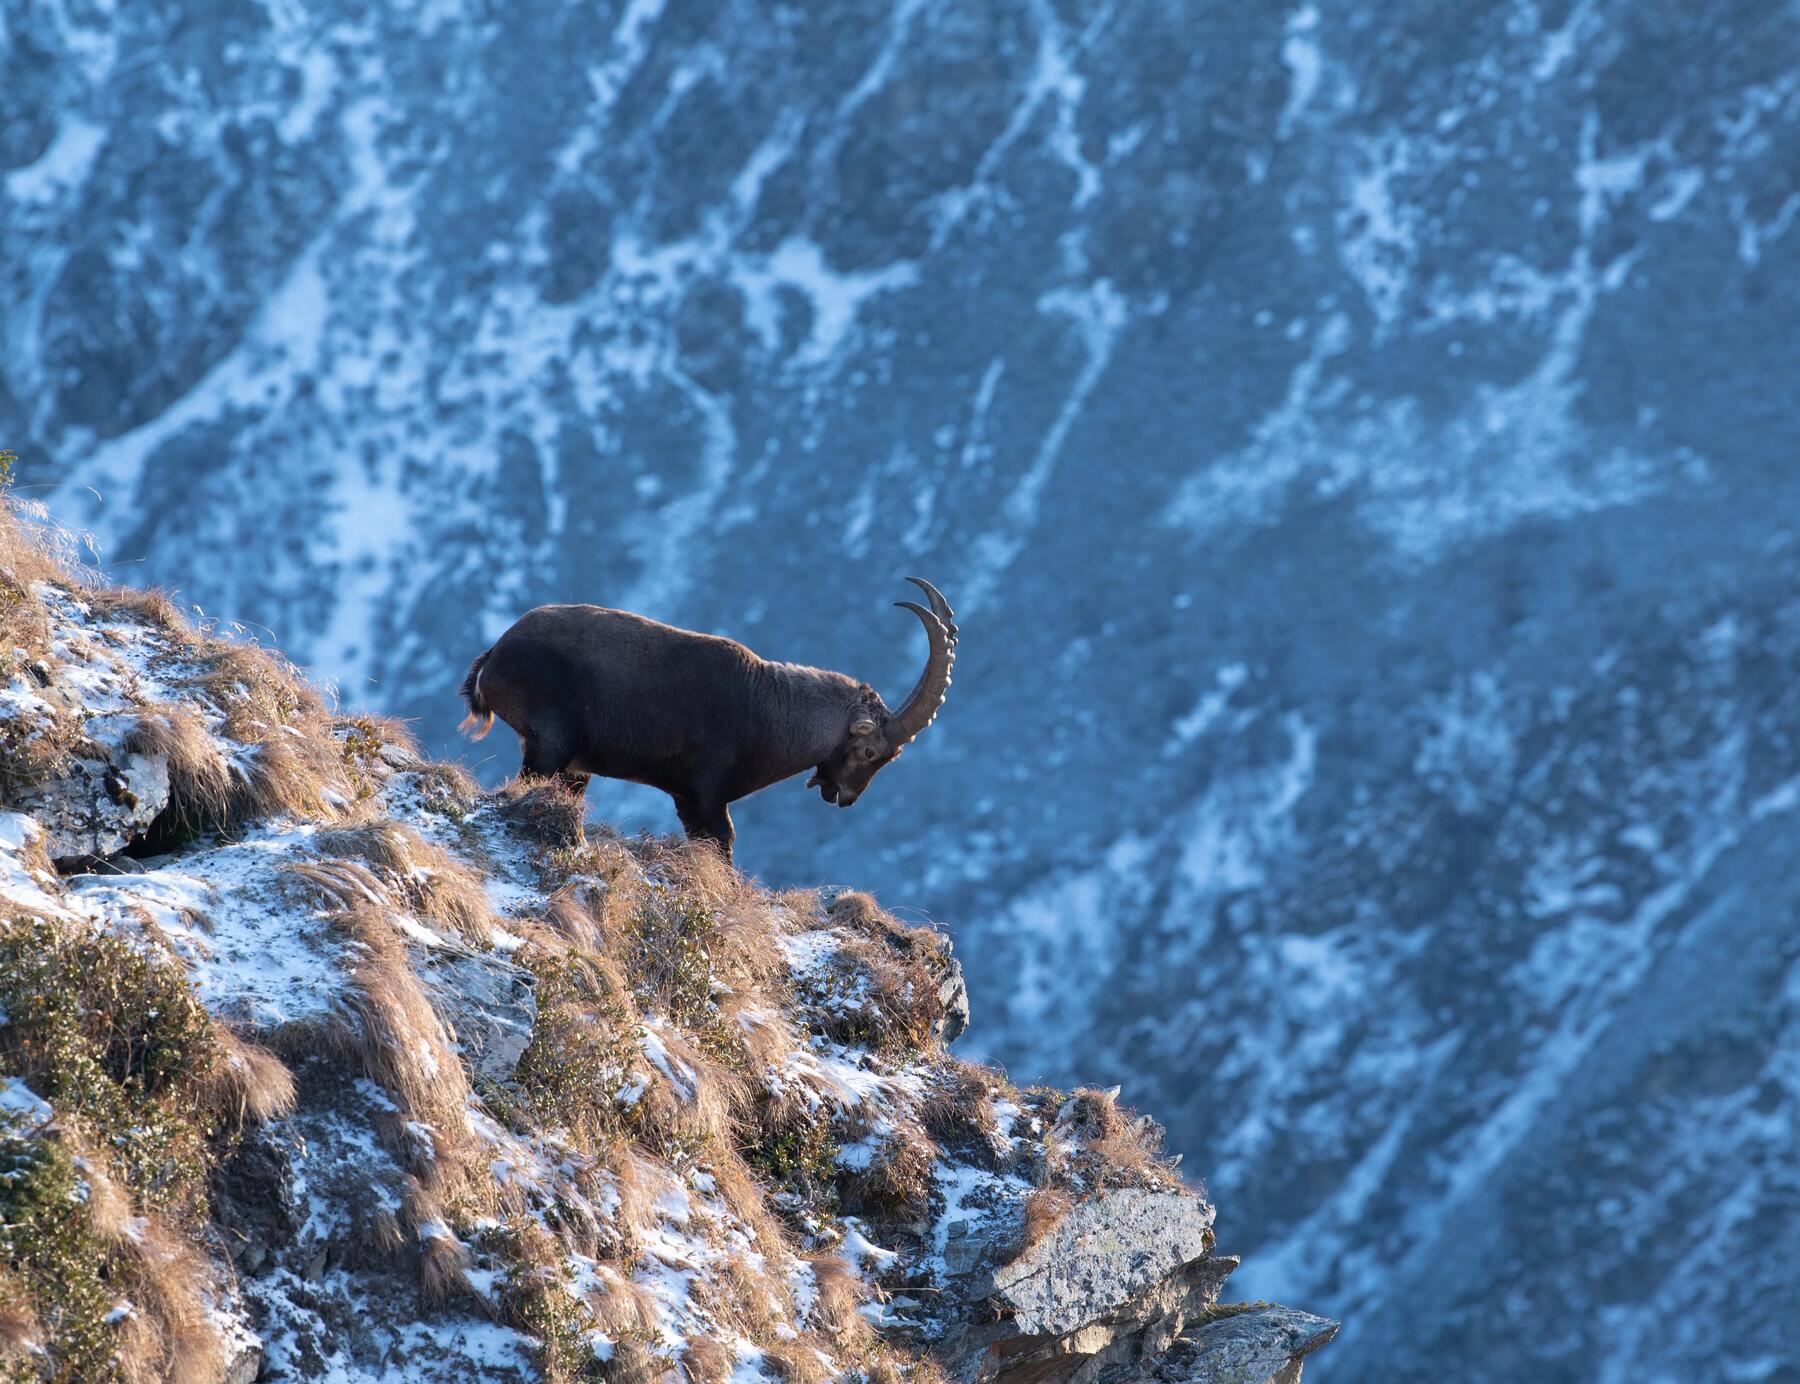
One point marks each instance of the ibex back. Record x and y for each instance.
(597, 691)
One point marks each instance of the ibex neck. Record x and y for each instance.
(811, 707)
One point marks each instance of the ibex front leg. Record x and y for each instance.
(706, 819)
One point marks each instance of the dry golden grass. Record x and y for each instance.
(297, 765)
(426, 878)
(294, 765)
(573, 926)
(860, 912)
(292, 768)
(376, 1234)
(958, 1111)
(634, 1180)
(895, 1189)
(24, 623)
(807, 1358)
(705, 1361)
(1044, 1211)
(444, 1269)
(152, 607)
(202, 786)
(623, 1309)
(391, 1033)
(27, 552)
(544, 809)
(895, 971)
(767, 1035)
(700, 1107)
(738, 1295)
(37, 749)
(1102, 1144)
(28, 555)
(170, 1332)
(637, 1362)
(445, 784)
(248, 1084)
(172, 1335)
(748, 1201)
(840, 1294)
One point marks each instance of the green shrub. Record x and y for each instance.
(55, 1259)
(116, 1041)
(582, 1053)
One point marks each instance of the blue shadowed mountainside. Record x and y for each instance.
(1355, 438)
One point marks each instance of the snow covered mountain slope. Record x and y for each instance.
(1354, 437)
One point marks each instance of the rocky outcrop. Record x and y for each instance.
(103, 795)
(459, 1086)
(1107, 1293)
(1354, 430)
(1263, 1345)
(1104, 1255)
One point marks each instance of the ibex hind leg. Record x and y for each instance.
(549, 752)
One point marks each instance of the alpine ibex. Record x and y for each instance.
(597, 691)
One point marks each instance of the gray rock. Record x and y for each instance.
(1100, 1256)
(245, 1363)
(398, 756)
(1265, 1345)
(953, 995)
(969, 1243)
(1100, 1297)
(103, 803)
(253, 1202)
(488, 1004)
(1491, 515)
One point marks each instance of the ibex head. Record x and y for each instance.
(874, 736)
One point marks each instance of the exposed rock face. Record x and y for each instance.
(106, 802)
(75, 708)
(1104, 1294)
(546, 1102)
(1265, 1345)
(1101, 1256)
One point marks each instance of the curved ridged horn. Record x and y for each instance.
(921, 706)
(939, 606)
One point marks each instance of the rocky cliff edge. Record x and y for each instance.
(316, 1063)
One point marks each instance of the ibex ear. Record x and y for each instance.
(862, 725)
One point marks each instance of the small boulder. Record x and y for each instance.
(1100, 1256)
